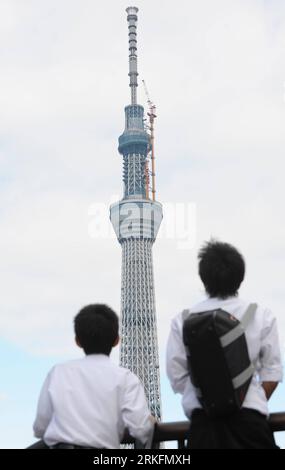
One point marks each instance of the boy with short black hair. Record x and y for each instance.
(222, 269)
(89, 402)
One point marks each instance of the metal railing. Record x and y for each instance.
(179, 431)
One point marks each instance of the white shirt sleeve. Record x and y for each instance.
(135, 412)
(44, 409)
(176, 360)
(270, 357)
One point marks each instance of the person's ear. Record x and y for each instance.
(78, 342)
(116, 342)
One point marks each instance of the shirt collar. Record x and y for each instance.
(97, 357)
(214, 301)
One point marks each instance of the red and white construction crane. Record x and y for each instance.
(152, 115)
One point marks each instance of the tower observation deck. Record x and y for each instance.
(136, 220)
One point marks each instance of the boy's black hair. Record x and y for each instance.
(96, 328)
(221, 269)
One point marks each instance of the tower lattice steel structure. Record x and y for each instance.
(136, 220)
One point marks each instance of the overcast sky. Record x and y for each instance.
(216, 71)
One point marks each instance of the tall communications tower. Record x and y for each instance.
(136, 220)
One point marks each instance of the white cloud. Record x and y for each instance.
(3, 396)
(216, 71)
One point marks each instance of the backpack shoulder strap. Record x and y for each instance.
(185, 314)
(233, 334)
(248, 315)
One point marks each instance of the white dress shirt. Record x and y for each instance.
(263, 347)
(90, 402)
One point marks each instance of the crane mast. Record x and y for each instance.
(152, 115)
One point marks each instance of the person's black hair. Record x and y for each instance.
(221, 269)
(96, 328)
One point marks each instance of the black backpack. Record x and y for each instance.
(218, 359)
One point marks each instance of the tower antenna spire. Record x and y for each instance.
(133, 58)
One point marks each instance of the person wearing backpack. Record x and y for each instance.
(223, 357)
